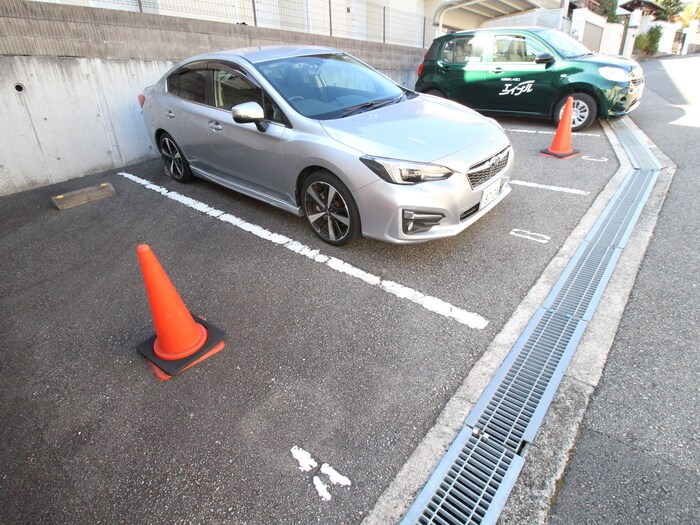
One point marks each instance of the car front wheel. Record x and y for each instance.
(176, 164)
(330, 209)
(585, 111)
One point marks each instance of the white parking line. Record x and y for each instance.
(542, 132)
(432, 304)
(537, 237)
(550, 188)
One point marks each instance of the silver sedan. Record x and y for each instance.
(318, 133)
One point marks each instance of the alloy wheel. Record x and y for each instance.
(172, 157)
(327, 212)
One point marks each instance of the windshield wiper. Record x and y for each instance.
(366, 106)
(407, 94)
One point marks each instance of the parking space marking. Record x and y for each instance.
(307, 464)
(543, 132)
(550, 188)
(432, 304)
(537, 237)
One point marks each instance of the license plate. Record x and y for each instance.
(489, 195)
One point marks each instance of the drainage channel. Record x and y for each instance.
(475, 476)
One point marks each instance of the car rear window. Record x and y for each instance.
(189, 84)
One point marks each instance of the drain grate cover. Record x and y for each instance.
(474, 478)
(475, 481)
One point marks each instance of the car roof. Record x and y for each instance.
(530, 29)
(259, 54)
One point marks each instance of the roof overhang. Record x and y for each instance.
(486, 8)
(644, 5)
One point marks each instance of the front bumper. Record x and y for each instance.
(383, 206)
(626, 99)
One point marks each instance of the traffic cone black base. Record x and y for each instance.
(562, 156)
(165, 369)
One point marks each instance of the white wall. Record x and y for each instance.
(668, 34)
(612, 39)
(73, 117)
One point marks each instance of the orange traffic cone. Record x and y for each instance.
(181, 341)
(561, 145)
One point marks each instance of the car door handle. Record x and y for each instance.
(215, 126)
(169, 114)
(497, 70)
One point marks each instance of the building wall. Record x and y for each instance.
(71, 75)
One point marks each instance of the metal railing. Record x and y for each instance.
(356, 19)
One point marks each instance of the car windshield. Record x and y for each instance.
(329, 86)
(566, 45)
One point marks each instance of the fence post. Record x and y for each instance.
(255, 15)
(384, 24)
(330, 15)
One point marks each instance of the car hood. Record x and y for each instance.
(421, 129)
(610, 60)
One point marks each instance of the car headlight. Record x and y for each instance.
(405, 172)
(614, 74)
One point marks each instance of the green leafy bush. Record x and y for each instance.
(648, 43)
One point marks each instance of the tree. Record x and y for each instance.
(648, 43)
(688, 14)
(608, 9)
(672, 8)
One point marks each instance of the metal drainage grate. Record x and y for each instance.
(473, 480)
(516, 399)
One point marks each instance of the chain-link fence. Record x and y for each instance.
(357, 19)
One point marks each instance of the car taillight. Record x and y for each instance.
(142, 100)
(420, 69)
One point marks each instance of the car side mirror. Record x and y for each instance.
(544, 58)
(248, 112)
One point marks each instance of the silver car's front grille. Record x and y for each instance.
(486, 170)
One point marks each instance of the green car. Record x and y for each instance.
(530, 72)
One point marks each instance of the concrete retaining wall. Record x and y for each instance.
(70, 77)
(68, 117)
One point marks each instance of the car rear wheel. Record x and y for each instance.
(176, 164)
(585, 111)
(330, 209)
(435, 92)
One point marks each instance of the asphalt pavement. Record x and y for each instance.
(637, 458)
(319, 363)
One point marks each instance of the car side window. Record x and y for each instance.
(461, 50)
(232, 88)
(189, 84)
(516, 48)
